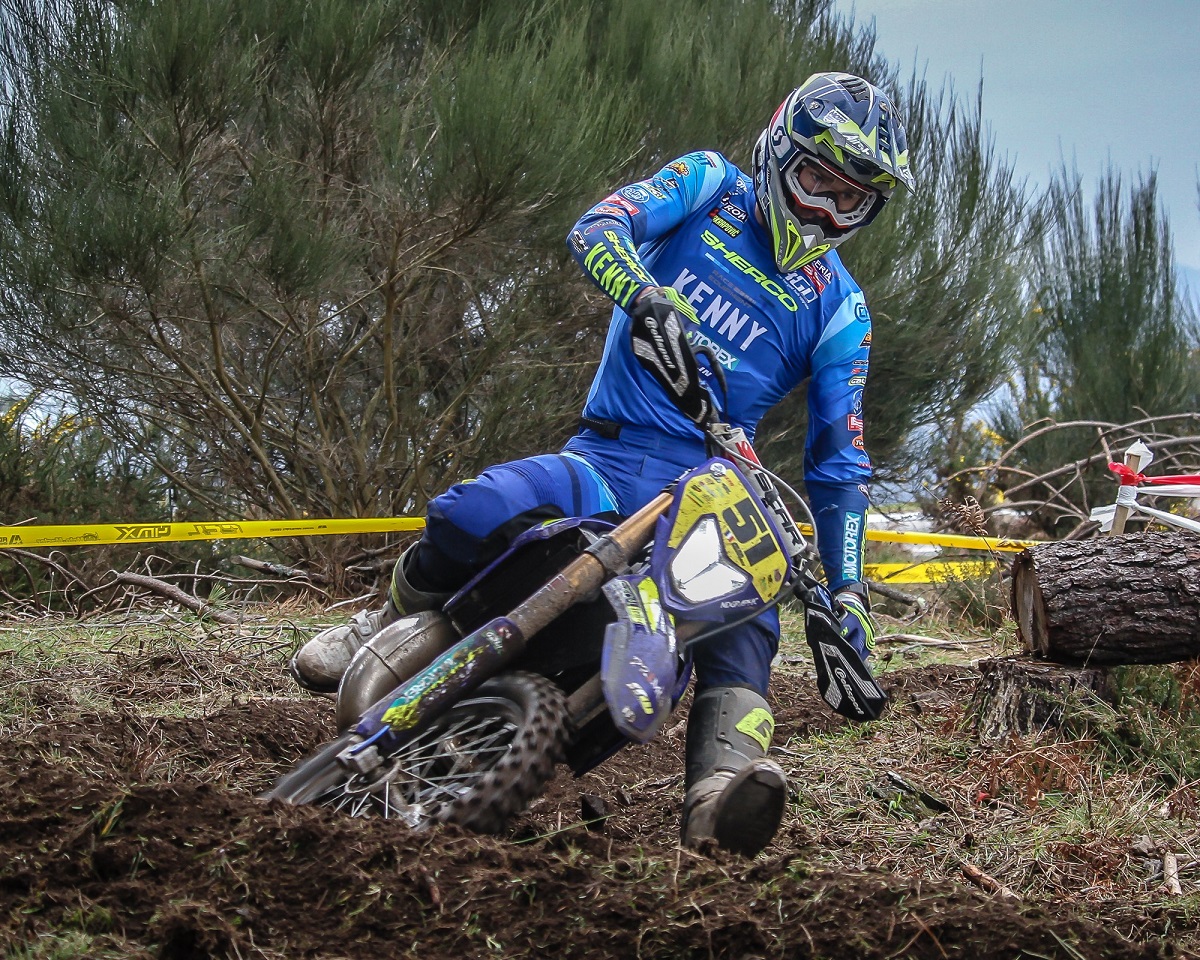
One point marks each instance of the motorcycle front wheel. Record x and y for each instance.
(476, 765)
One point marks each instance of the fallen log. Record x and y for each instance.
(1116, 600)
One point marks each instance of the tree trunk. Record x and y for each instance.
(1128, 599)
(1018, 696)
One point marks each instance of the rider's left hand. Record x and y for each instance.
(855, 622)
(658, 330)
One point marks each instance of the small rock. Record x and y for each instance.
(1144, 846)
(593, 810)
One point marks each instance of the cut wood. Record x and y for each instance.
(1018, 696)
(986, 882)
(1171, 874)
(1117, 600)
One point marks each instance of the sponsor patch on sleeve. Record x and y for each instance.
(619, 201)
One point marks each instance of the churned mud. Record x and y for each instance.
(136, 830)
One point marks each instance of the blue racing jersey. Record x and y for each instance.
(692, 226)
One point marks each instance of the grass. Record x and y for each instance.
(69, 945)
(170, 665)
(1082, 815)
(1052, 820)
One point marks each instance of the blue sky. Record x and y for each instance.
(1085, 81)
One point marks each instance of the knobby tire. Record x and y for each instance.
(477, 765)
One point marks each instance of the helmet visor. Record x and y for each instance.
(813, 186)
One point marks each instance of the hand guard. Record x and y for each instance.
(855, 623)
(660, 345)
(843, 677)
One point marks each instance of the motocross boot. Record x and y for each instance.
(734, 793)
(318, 666)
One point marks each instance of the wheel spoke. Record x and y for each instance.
(462, 728)
(428, 772)
(464, 766)
(445, 771)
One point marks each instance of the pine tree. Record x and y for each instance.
(307, 258)
(1114, 342)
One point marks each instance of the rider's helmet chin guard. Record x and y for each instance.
(828, 161)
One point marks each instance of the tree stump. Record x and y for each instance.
(1020, 696)
(1117, 600)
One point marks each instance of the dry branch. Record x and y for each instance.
(1060, 493)
(182, 597)
(279, 570)
(884, 590)
(985, 882)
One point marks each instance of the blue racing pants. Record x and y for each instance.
(471, 523)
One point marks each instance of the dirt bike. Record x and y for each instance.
(572, 644)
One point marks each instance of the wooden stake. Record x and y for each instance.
(1135, 458)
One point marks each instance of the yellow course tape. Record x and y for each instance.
(942, 540)
(953, 540)
(71, 535)
(932, 571)
(81, 534)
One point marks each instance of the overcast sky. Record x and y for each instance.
(1087, 81)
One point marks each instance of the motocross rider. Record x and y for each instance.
(702, 254)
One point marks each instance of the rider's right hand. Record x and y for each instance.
(660, 316)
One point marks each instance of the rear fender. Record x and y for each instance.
(531, 559)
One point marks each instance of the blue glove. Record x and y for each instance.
(855, 623)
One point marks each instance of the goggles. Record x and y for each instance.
(811, 185)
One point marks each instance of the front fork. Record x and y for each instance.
(408, 709)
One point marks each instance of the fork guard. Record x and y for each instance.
(640, 668)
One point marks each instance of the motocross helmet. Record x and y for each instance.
(826, 164)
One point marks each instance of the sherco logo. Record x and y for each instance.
(750, 270)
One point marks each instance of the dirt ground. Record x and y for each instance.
(135, 830)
